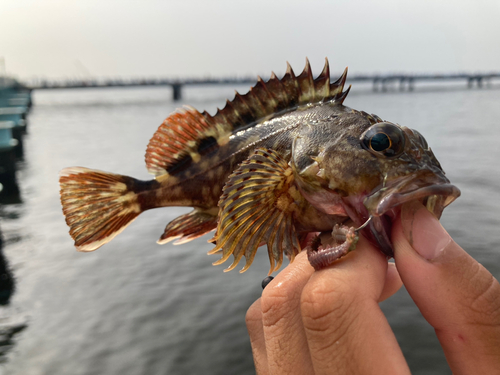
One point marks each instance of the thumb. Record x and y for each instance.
(454, 293)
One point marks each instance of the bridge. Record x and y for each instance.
(380, 82)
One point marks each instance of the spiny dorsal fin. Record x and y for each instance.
(187, 135)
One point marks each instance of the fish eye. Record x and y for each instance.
(421, 138)
(380, 142)
(383, 139)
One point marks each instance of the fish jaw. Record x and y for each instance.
(383, 205)
(415, 186)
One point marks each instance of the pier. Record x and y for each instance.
(15, 102)
(380, 82)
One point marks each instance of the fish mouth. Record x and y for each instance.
(432, 190)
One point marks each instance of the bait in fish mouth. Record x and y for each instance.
(285, 159)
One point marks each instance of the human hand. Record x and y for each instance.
(329, 321)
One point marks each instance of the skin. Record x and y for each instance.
(329, 321)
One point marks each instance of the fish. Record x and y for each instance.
(284, 160)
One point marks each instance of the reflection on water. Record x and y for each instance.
(134, 307)
(9, 192)
(6, 279)
(10, 325)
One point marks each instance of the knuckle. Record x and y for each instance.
(328, 306)
(331, 316)
(278, 302)
(483, 302)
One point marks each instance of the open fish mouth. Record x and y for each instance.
(375, 214)
(433, 190)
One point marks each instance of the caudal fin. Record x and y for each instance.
(97, 205)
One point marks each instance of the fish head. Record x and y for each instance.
(369, 171)
(409, 171)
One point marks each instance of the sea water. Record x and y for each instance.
(134, 307)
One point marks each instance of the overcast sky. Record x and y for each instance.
(151, 38)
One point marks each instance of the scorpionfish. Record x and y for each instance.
(284, 160)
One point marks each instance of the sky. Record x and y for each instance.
(199, 38)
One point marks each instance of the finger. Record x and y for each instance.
(286, 344)
(456, 295)
(256, 332)
(346, 330)
(392, 284)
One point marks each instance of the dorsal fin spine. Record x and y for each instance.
(306, 85)
(271, 93)
(264, 96)
(242, 102)
(274, 91)
(279, 93)
(232, 114)
(253, 101)
(322, 82)
(343, 95)
(337, 86)
(221, 120)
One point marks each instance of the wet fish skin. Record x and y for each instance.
(283, 160)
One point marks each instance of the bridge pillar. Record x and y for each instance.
(384, 84)
(402, 84)
(411, 84)
(480, 82)
(177, 91)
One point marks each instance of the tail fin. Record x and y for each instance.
(97, 205)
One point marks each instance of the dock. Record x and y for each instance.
(15, 103)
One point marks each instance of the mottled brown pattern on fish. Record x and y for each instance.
(284, 159)
(277, 133)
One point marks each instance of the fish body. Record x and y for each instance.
(283, 160)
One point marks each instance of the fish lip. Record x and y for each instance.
(433, 190)
(416, 186)
(447, 191)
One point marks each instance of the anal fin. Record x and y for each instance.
(257, 207)
(190, 226)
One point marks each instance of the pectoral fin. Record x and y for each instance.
(257, 207)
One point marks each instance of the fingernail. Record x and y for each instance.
(423, 231)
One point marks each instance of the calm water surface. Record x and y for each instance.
(135, 307)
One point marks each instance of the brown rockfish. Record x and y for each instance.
(285, 159)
